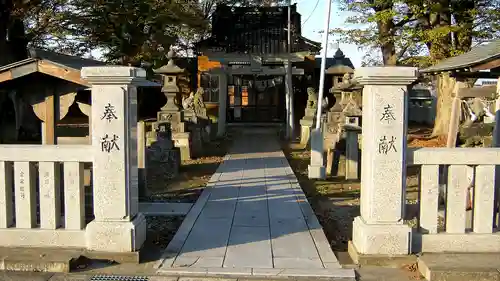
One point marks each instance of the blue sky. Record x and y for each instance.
(315, 24)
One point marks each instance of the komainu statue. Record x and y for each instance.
(199, 105)
(312, 98)
(188, 102)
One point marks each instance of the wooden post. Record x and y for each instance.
(49, 128)
(455, 116)
(496, 131)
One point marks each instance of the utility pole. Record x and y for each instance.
(288, 76)
(323, 62)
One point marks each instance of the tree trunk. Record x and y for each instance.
(386, 31)
(445, 85)
(5, 10)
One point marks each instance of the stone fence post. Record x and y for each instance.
(380, 229)
(118, 226)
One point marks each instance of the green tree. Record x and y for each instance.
(421, 33)
(130, 31)
(28, 22)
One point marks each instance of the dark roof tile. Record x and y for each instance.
(479, 54)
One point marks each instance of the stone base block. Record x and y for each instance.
(305, 135)
(396, 261)
(316, 172)
(116, 236)
(183, 142)
(381, 239)
(459, 267)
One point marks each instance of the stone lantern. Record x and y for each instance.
(169, 73)
(170, 115)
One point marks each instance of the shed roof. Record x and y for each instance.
(58, 65)
(478, 55)
(73, 62)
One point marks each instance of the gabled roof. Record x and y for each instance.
(50, 63)
(58, 65)
(63, 60)
(478, 55)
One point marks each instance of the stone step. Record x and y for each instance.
(62, 260)
(460, 266)
(37, 259)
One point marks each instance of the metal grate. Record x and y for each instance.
(118, 278)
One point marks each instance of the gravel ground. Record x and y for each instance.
(162, 229)
(193, 176)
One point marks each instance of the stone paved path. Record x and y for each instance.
(253, 219)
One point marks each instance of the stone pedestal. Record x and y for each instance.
(173, 120)
(163, 159)
(183, 142)
(316, 170)
(118, 226)
(306, 123)
(380, 229)
(305, 130)
(195, 127)
(333, 128)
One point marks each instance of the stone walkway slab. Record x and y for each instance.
(253, 219)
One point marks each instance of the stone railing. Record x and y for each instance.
(42, 195)
(460, 231)
(381, 229)
(47, 208)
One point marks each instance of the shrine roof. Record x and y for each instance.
(478, 55)
(259, 30)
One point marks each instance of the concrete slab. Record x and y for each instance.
(297, 263)
(249, 247)
(204, 262)
(255, 222)
(219, 209)
(208, 238)
(291, 239)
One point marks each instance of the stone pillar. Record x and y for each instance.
(380, 229)
(316, 170)
(351, 153)
(141, 158)
(118, 226)
(221, 121)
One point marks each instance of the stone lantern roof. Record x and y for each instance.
(170, 68)
(339, 64)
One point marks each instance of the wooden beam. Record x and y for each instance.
(477, 92)
(484, 75)
(18, 71)
(67, 74)
(5, 76)
(487, 66)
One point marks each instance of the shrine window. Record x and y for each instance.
(210, 85)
